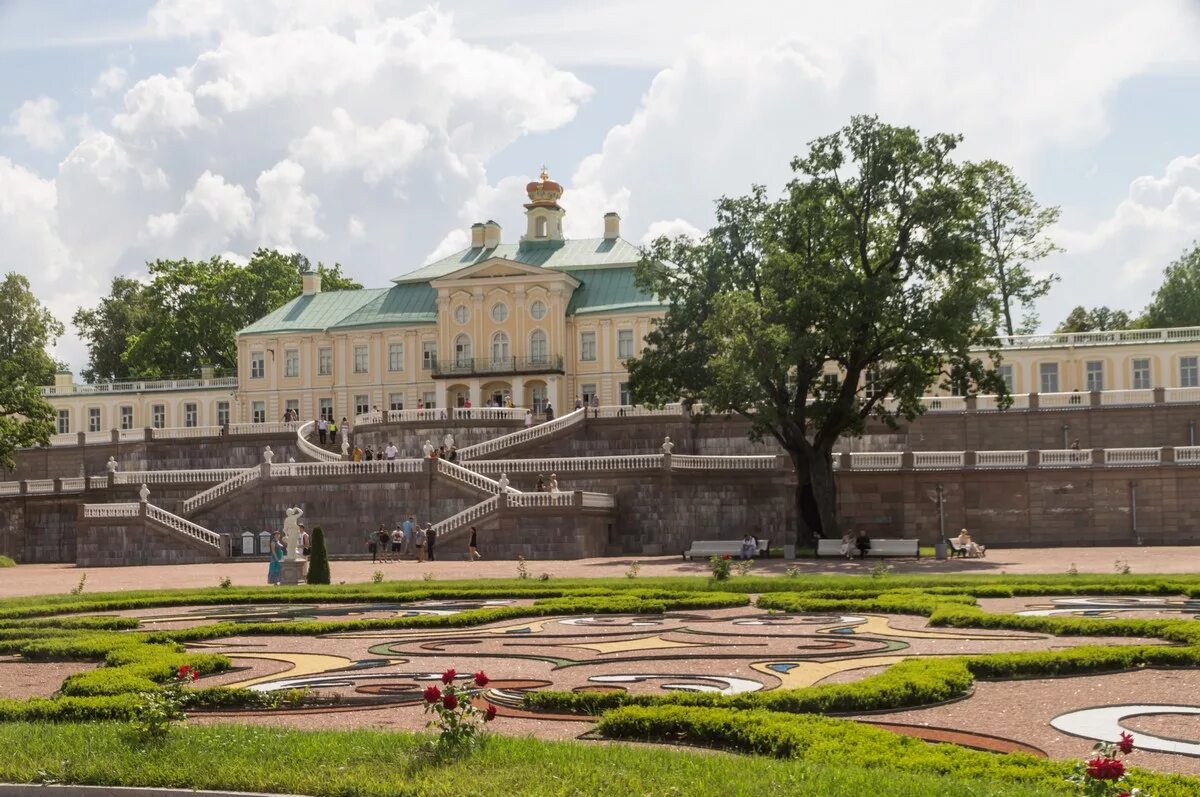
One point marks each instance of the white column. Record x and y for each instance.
(518, 392)
(552, 395)
(474, 388)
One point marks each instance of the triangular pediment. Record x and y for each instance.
(500, 268)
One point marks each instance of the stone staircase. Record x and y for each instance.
(543, 431)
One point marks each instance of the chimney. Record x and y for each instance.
(207, 372)
(477, 235)
(311, 282)
(64, 381)
(612, 226)
(491, 234)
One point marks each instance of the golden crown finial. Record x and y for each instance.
(545, 175)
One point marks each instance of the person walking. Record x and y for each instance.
(397, 542)
(278, 553)
(322, 430)
(333, 430)
(373, 546)
(528, 419)
(549, 412)
(383, 539)
(473, 546)
(419, 543)
(595, 405)
(305, 541)
(407, 528)
(430, 539)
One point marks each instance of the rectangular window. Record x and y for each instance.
(291, 362)
(64, 421)
(624, 394)
(257, 365)
(93, 419)
(324, 362)
(326, 408)
(1141, 374)
(127, 417)
(258, 412)
(361, 404)
(158, 416)
(428, 354)
(1048, 382)
(429, 400)
(587, 346)
(869, 384)
(588, 392)
(395, 356)
(396, 401)
(1094, 371)
(624, 344)
(830, 382)
(294, 406)
(360, 359)
(539, 399)
(1189, 373)
(1006, 373)
(189, 415)
(222, 413)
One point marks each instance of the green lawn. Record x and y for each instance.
(374, 763)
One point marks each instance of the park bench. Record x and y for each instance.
(879, 547)
(961, 550)
(707, 548)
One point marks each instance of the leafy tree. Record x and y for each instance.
(1098, 319)
(26, 329)
(1011, 227)
(870, 264)
(1176, 303)
(318, 563)
(188, 313)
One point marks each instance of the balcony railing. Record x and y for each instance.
(140, 386)
(491, 366)
(1107, 338)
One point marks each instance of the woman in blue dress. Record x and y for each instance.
(278, 553)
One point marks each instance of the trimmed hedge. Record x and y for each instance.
(6, 561)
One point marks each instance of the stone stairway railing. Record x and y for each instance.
(158, 516)
(469, 478)
(345, 468)
(472, 514)
(314, 451)
(197, 476)
(234, 483)
(523, 436)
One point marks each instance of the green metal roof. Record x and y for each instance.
(607, 290)
(559, 255)
(314, 312)
(412, 303)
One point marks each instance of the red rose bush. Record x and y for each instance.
(1103, 773)
(459, 722)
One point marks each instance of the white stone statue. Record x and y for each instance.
(111, 465)
(345, 446)
(428, 449)
(291, 531)
(554, 482)
(144, 493)
(667, 446)
(448, 441)
(503, 482)
(268, 455)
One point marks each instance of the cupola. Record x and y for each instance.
(542, 211)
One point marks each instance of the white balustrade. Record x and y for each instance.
(73, 484)
(10, 488)
(139, 386)
(567, 464)
(944, 403)
(523, 436)
(469, 477)
(490, 413)
(185, 527)
(601, 500)
(1064, 401)
(270, 427)
(1133, 456)
(92, 438)
(707, 462)
(1178, 395)
(185, 432)
(112, 510)
(198, 476)
(1187, 455)
(416, 416)
(559, 499)
(344, 468)
(1126, 397)
(39, 486)
(362, 419)
(97, 482)
(637, 411)
(314, 451)
(131, 435)
(938, 460)
(1001, 459)
(1020, 401)
(875, 460)
(469, 515)
(71, 439)
(235, 482)
(1097, 338)
(1065, 458)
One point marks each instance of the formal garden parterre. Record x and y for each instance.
(748, 665)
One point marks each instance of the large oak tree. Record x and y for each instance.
(870, 265)
(26, 330)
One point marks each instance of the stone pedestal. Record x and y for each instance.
(295, 571)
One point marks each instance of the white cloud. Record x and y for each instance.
(214, 212)
(355, 227)
(158, 104)
(455, 241)
(109, 81)
(285, 210)
(378, 151)
(671, 228)
(36, 121)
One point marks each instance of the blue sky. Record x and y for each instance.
(373, 132)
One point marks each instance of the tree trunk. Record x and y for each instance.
(816, 518)
(824, 492)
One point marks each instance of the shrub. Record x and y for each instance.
(318, 563)
(7, 562)
(377, 577)
(720, 566)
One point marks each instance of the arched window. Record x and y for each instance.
(500, 347)
(539, 351)
(462, 350)
(540, 227)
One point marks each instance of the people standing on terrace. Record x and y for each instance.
(384, 539)
(528, 419)
(322, 430)
(595, 405)
(549, 412)
(430, 540)
(419, 543)
(333, 430)
(278, 552)
(407, 528)
(397, 542)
